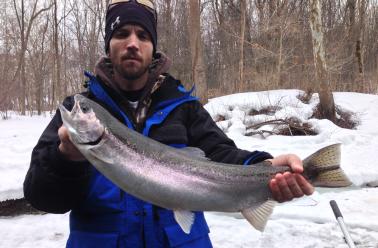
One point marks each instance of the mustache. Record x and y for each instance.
(131, 55)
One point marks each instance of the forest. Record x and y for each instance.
(221, 46)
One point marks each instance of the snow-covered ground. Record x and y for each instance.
(306, 222)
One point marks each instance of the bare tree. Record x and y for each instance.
(198, 66)
(166, 22)
(39, 60)
(243, 7)
(25, 25)
(359, 45)
(56, 84)
(327, 105)
(7, 61)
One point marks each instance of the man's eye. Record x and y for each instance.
(143, 36)
(122, 34)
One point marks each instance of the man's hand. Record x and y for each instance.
(289, 185)
(66, 147)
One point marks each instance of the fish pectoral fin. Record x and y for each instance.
(185, 219)
(258, 217)
(97, 156)
(195, 152)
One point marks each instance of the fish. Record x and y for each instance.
(184, 180)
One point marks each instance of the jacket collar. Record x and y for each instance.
(157, 77)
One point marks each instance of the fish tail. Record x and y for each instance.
(323, 168)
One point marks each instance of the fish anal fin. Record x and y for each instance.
(258, 217)
(185, 219)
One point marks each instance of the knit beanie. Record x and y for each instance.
(129, 12)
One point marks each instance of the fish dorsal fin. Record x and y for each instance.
(258, 217)
(195, 152)
(185, 219)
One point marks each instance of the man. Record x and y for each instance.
(133, 84)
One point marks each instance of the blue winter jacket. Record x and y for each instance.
(102, 215)
(113, 218)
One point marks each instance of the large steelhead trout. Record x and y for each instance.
(181, 179)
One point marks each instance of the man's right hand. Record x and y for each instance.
(66, 148)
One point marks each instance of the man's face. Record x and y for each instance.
(130, 51)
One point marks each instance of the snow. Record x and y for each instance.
(18, 136)
(305, 222)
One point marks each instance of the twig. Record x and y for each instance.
(293, 126)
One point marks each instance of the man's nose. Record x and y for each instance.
(133, 42)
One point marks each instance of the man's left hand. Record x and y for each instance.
(292, 184)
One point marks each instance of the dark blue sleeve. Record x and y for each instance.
(257, 157)
(52, 183)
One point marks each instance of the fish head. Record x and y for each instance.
(81, 122)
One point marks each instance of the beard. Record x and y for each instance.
(131, 70)
(131, 73)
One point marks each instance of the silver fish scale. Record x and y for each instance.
(193, 186)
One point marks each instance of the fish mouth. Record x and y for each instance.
(65, 115)
(92, 133)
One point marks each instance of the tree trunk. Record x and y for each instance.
(198, 66)
(327, 105)
(279, 62)
(39, 58)
(167, 20)
(58, 89)
(220, 16)
(354, 46)
(260, 4)
(21, 64)
(243, 7)
(359, 47)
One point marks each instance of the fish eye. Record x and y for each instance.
(85, 109)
